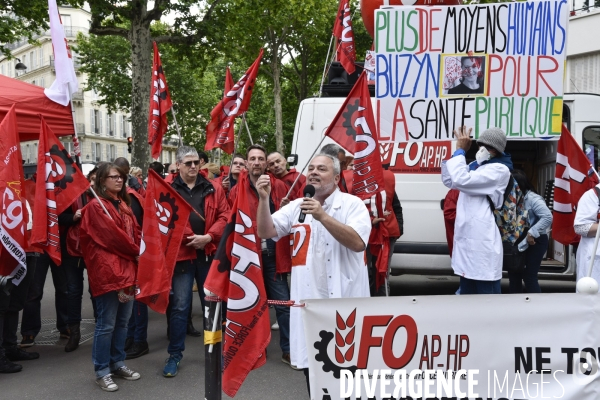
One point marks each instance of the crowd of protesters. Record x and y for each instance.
(104, 238)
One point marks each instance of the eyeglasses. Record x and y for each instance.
(115, 177)
(238, 163)
(189, 163)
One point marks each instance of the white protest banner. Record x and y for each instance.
(482, 65)
(461, 347)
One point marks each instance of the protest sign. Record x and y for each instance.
(454, 347)
(483, 65)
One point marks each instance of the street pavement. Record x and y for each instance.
(60, 375)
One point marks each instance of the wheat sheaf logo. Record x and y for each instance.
(344, 346)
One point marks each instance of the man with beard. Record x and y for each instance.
(275, 257)
(328, 257)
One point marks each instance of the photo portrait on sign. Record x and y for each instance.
(464, 75)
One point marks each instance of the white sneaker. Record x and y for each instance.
(106, 383)
(275, 326)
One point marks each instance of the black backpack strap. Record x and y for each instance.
(507, 189)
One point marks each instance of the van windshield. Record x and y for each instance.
(591, 145)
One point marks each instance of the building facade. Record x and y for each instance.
(102, 135)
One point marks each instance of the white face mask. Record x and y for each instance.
(482, 155)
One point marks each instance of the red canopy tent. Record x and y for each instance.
(31, 102)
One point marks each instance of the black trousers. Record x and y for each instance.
(13, 304)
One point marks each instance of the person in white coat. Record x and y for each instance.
(328, 258)
(586, 225)
(477, 253)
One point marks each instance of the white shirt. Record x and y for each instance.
(477, 252)
(587, 213)
(321, 267)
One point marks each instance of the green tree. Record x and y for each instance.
(194, 91)
(21, 19)
(131, 20)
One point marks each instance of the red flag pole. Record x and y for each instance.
(100, 202)
(176, 125)
(325, 67)
(247, 129)
(305, 165)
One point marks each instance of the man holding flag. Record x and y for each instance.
(328, 258)
(207, 224)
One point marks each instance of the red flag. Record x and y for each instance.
(160, 103)
(166, 215)
(59, 183)
(219, 131)
(238, 260)
(573, 178)
(354, 129)
(342, 30)
(218, 127)
(13, 215)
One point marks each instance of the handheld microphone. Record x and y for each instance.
(309, 191)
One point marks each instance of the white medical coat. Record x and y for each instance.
(477, 252)
(321, 267)
(587, 213)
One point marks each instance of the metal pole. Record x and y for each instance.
(325, 66)
(176, 125)
(212, 348)
(76, 145)
(247, 129)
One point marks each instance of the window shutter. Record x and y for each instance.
(92, 121)
(99, 122)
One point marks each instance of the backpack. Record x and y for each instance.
(511, 217)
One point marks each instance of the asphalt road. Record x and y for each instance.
(60, 375)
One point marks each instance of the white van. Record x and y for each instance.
(423, 248)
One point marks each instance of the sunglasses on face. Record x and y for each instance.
(189, 163)
(115, 177)
(173, 172)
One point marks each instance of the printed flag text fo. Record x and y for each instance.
(236, 276)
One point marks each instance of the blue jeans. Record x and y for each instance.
(472, 286)
(179, 303)
(533, 260)
(31, 321)
(108, 350)
(278, 289)
(73, 268)
(138, 323)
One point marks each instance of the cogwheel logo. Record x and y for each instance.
(344, 346)
(349, 117)
(166, 212)
(59, 168)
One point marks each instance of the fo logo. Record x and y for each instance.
(350, 351)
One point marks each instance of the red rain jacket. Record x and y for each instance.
(109, 253)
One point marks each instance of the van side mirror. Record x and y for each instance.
(292, 160)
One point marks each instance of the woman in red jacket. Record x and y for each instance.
(110, 245)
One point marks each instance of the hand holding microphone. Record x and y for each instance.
(309, 191)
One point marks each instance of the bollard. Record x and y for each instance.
(212, 347)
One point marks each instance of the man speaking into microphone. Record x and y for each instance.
(327, 248)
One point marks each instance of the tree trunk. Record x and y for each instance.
(276, 70)
(141, 70)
